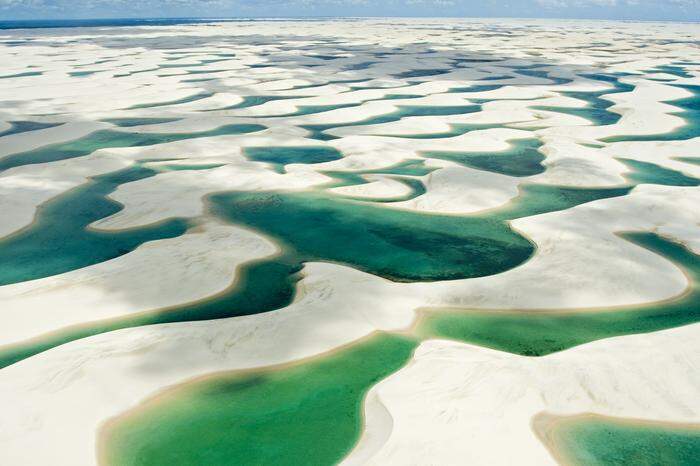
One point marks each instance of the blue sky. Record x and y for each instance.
(681, 10)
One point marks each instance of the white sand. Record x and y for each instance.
(377, 187)
(581, 263)
(463, 404)
(454, 403)
(22, 189)
(462, 190)
(15, 143)
(335, 306)
(152, 276)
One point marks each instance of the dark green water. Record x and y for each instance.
(692, 160)
(650, 173)
(272, 417)
(198, 80)
(384, 241)
(459, 61)
(325, 57)
(484, 245)
(397, 244)
(280, 156)
(603, 441)
(59, 241)
(108, 138)
(81, 74)
(522, 158)
(17, 127)
(677, 71)
(540, 333)
(528, 71)
(263, 286)
(475, 88)
(421, 73)
(377, 240)
(22, 75)
(497, 78)
(308, 413)
(535, 199)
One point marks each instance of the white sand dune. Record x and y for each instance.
(15, 143)
(453, 403)
(378, 187)
(150, 277)
(22, 189)
(335, 305)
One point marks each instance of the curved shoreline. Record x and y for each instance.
(334, 357)
(549, 427)
(414, 82)
(224, 293)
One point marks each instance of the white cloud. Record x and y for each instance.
(648, 9)
(614, 3)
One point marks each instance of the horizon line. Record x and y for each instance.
(330, 17)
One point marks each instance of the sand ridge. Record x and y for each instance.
(197, 97)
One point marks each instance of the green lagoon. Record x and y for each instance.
(307, 413)
(605, 441)
(280, 156)
(309, 226)
(60, 240)
(17, 127)
(537, 333)
(107, 138)
(522, 158)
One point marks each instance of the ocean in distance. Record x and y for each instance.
(117, 22)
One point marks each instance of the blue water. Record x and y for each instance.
(597, 109)
(17, 127)
(22, 75)
(59, 241)
(105, 22)
(104, 139)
